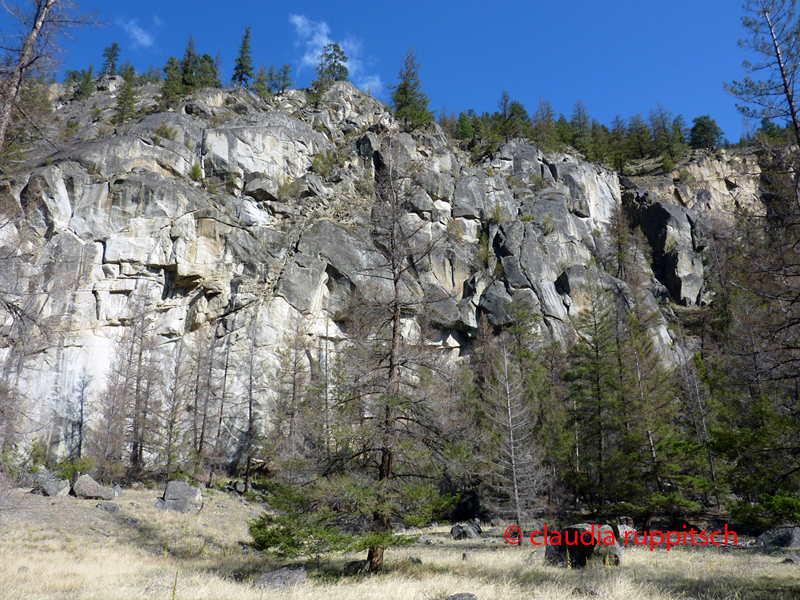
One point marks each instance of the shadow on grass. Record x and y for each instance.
(729, 588)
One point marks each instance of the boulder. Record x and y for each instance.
(355, 567)
(620, 531)
(180, 497)
(367, 145)
(780, 537)
(284, 577)
(791, 559)
(237, 486)
(87, 488)
(262, 189)
(586, 544)
(464, 532)
(48, 485)
(109, 507)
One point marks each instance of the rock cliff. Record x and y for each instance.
(251, 220)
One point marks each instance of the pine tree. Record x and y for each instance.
(679, 136)
(243, 70)
(661, 129)
(331, 66)
(581, 125)
(705, 133)
(618, 147)
(464, 129)
(86, 84)
(283, 80)
(111, 54)
(261, 87)
(522, 119)
(172, 89)
(600, 142)
(392, 391)
(506, 124)
(78, 414)
(272, 79)
(638, 137)
(190, 67)
(410, 102)
(544, 125)
(152, 75)
(596, 410)
(477, 125)
(34, 44)
(126, 99)
(208, 72)
(775, 37)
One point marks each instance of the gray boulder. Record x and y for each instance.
(367, 145)
(791, 559)
(465, 532)
(584, 543)
(354, 567)
(284, 577)
(48, 485)
(180, 497)
(87, 488)
(780, 537)
(109, 507)
(621, 531)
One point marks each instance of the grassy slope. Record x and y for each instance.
(64, 548)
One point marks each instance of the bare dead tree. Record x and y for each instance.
(173, 422)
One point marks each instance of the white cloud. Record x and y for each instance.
(138, 36)
(313, 36)
(157, 22)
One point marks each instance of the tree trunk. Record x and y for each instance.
(788, 88)
(12, 84)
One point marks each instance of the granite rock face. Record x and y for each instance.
(677, 239)
(275, 235)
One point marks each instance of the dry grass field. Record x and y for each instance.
(64, 548)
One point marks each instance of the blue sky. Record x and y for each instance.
(620, 57)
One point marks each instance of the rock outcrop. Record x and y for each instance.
(240, 222)
(677, 240)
